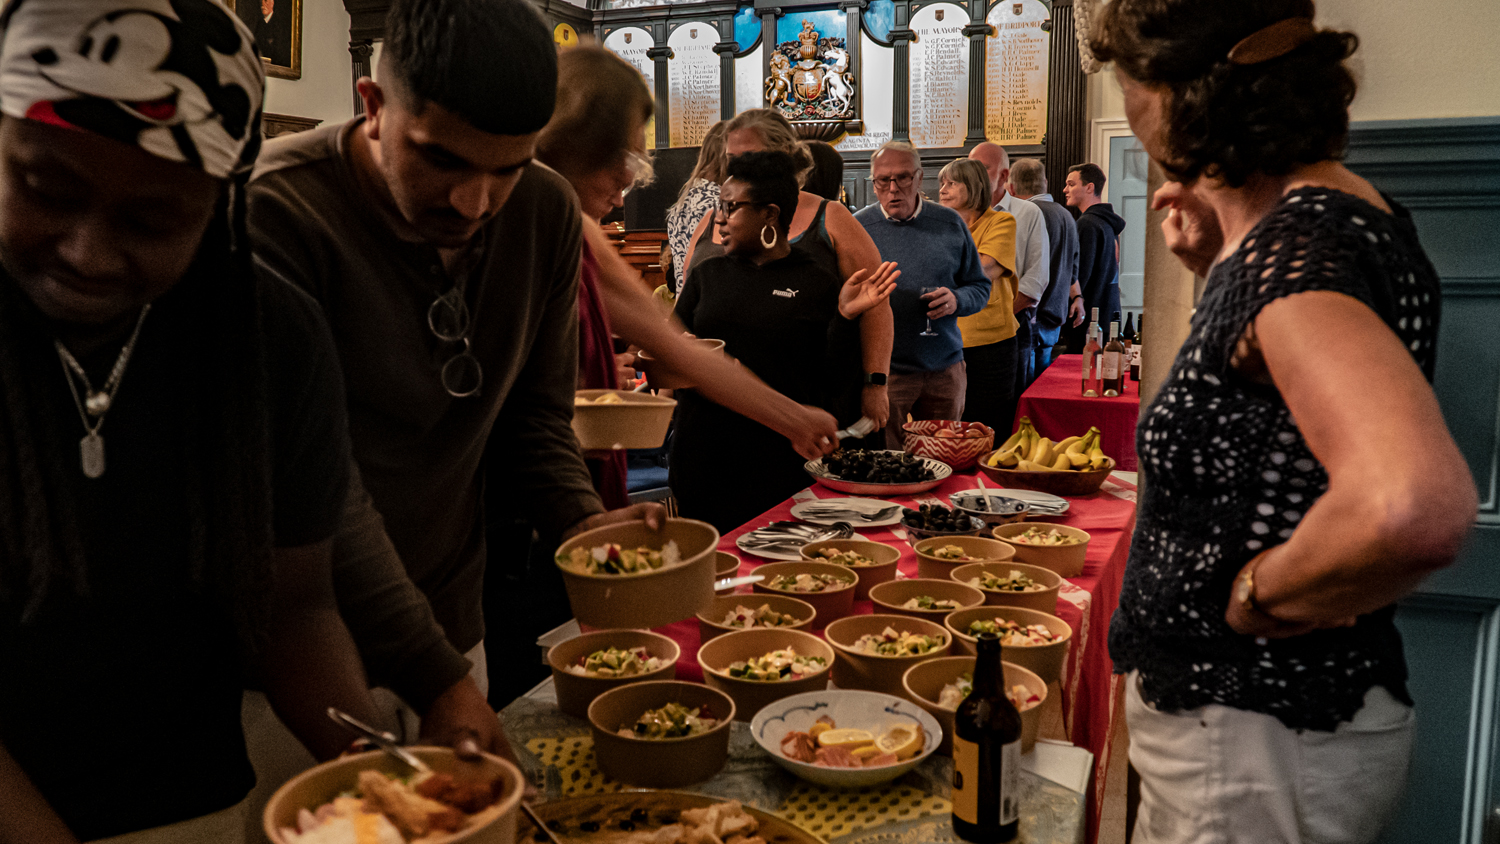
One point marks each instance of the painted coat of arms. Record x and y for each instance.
(810, 78)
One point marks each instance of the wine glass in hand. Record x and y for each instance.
(929, 332)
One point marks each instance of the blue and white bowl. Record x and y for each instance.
(871, 711)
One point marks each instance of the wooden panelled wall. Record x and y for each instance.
(1447, 173)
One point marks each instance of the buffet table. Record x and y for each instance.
(1063, 786)
(1058, 410)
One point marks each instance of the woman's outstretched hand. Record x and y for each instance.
(864, 290)
(1191, 227)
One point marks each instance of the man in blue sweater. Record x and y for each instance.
(941, 280)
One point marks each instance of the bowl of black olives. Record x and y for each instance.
(936, 520)
(861, 471)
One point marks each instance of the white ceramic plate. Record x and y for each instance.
(871, 711)
(807, 511)
(784, 540)
(1042, 503)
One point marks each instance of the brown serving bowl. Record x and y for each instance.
(1057, 482)
(924, 685)
(750, 696)
(980, 548)
(661, 377)
(890, 596)
(725, 565)
(575, 692)
(1044, 599)
(1045, 660)
(882, 568)
(873, 672)
(659, 763)
(711, 621)
(649, 599)
(316, 786)
(638, 420)
(830, 604)
(1066, 560)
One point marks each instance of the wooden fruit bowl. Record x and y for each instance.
(1061, 482)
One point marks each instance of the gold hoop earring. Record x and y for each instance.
(775, 236)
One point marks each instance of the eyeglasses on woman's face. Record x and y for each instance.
(640, 169)
(726, 208)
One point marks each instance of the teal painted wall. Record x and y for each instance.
(1447, 173)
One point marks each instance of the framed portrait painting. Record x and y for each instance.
(277, 26)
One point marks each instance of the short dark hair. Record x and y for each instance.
(771, 178)
(827, 175)
(491, 62)
(1225, 120)
(1090, 174)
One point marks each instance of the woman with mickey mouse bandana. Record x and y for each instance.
(138, 581)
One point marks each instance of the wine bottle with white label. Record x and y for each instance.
(1112, 379)
(1091, 349)
(987, 754)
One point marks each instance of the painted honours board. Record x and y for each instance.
(631, 43)
(693, 82)
(1015, 91)
(939, 65)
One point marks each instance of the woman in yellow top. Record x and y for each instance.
(990, 352)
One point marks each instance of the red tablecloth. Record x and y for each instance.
(1086, 602)
(1058, 410)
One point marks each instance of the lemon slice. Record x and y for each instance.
(865, 751)
(905, 742)
(845, 738)
(818, 729)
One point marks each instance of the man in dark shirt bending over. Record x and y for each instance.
(447, 264)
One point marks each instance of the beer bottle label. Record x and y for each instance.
(966, 780)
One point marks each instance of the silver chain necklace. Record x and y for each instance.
(93, 405)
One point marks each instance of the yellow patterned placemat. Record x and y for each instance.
(823, 811)
(834, 812)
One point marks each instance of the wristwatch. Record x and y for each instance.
(875, 379)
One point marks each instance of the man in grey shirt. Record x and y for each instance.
(1028, 181)
(446, 261)
(1032, 250)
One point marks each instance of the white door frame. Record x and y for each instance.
(1101, 132)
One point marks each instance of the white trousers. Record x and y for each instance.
(1220, 775)
(278, 756)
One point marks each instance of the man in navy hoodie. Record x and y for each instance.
(941, 280)
(1099, 230)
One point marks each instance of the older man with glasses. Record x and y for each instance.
(941, 280)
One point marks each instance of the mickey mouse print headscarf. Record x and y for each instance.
(180, 79)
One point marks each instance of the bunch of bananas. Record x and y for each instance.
(1028, 451)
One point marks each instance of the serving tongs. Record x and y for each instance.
(387, 742)
(380, 738)
(863, 428)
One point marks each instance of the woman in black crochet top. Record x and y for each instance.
(1266, 696)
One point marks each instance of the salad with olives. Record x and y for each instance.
(927, 602)
(843, 558)
(616, 662)
(744, 618)
(782, 664)
(1013, 634)
(889, 642)
(1014, 582)
(671, 721)
(610, 558)
(816, 582)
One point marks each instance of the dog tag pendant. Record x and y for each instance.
(91, 449)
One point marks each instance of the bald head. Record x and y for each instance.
(997, 162)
